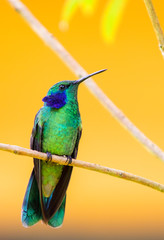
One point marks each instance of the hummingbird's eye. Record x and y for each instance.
(62, 87)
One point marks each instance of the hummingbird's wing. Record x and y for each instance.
(60, 189)
(74, 154)
(36, 144)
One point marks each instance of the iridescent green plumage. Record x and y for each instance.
(57, 130)
(61, 127)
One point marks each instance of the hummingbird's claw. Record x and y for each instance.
(69, 159)
(49, 157)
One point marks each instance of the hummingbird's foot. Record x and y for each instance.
(49, 157)
(69, 159)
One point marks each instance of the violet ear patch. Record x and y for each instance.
(56, 100)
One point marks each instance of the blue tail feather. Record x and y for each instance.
(57, 219)
(31, 210)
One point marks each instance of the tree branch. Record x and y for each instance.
(81, 164)
(75, 67)
(156, 24)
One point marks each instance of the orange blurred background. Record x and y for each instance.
(98, 206)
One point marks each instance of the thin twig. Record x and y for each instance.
(81, 164)
(73, 65)
(156, 24)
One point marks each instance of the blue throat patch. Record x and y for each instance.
(56, 100)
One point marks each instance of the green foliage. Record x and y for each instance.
(111, 17)
(69, 9)
(88, 6)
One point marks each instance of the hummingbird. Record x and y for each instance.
(57, 130)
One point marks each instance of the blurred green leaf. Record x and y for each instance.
(68, 10)
(88, 6)
(111, 18)
(70, 7)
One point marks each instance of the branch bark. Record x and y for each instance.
(81, 164)
(75, 67)
(156, 24)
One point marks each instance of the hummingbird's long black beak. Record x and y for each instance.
(88, 76)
